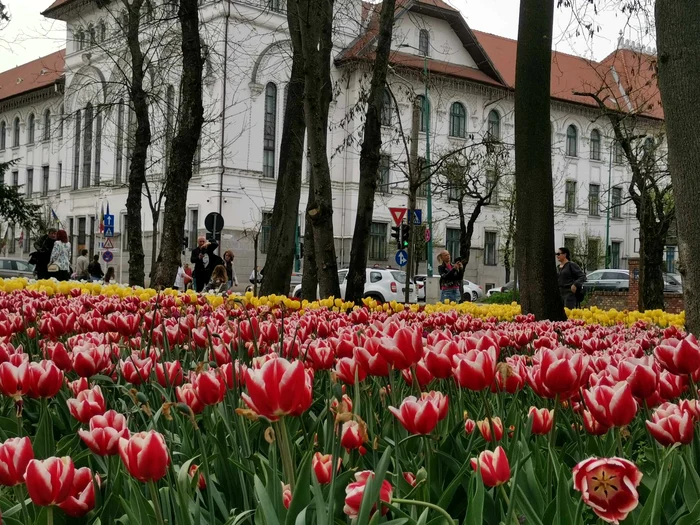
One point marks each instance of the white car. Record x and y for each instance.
(380, 284)
(499, 289)
(471, 291)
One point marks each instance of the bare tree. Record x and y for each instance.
(533, 164)
(370, 155)
(677, 28)
(185, 143)
(507, 225)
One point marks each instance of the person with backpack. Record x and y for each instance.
(571, 279)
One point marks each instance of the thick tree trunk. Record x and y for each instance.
(154, 243)
(370, 157)
(141, 142)
(184, 144)
(280, 256)
(533, 169)
(309, 279)
(316, 42)
(651, 268)
(677, 30)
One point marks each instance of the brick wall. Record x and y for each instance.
(673, 303)
(607, 300)
(633, 296)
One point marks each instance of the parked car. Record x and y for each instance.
(10, 268)
(383, 285)
(420, 281)
(607, 280)
(500, 289)
(471, 291)
(673, 283)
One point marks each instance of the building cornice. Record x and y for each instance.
(28, 98)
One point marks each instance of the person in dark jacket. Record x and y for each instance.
(40, 258)
(95, 268)
(204, 260)
(571, 279)
(451, 277)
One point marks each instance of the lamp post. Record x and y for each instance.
(607, 215)
(429, 192)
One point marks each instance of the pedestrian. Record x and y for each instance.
(179, 278)
(40, 258)
(571, 279)
(255, 276)
(204, 260)
(59, 260)
(95, 269)
(451, 277)
(81, 266)
(230, 270)
(109, 277)
(219, 280)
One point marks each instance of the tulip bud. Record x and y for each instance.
(493, 466)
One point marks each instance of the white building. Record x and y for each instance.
(65, 120)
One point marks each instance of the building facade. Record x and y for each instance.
(66, 122)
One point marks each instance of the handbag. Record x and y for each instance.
(53, 267)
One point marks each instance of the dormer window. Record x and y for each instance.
(424, 42)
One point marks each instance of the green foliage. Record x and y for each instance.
(511, 296)
(14, 209)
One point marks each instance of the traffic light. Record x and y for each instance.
(396, 234)
(405, 235)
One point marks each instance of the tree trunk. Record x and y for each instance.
(281, 250)
(309, 278)
(317, 44)
(533, 168)
(154, 243)
(141, 142)
(184, 144)
(651, 277)
(370, 158)
(677, 30)
(466, 229)
(256, 238)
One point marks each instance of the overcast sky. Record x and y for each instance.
(29, 35)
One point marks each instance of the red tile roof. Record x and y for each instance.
(55, 5)
(33, 75)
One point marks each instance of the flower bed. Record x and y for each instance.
(120, 405)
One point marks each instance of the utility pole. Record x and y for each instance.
(413, 178)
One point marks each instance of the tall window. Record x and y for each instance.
(91, 32)
(31, 126)
(60, 124)
(98, 146)
(424, 112)
(76, 150)
(452, 192)
(618, 153)
(87, 146)
(570, 197)
(30, 181)
(12, 244)
(275, 5)
(494, 125)
(130, 135)
(492, 186)
(119, 160)
(384, 174)
(194, 227)
(593, 255)
(270, 131)
(570, 243)
(3, 135)
(670, 259)
(616, 203)
(387, 108)
(47, 124)
(452, 241)
(60, 175)
(424, 42)
(615, 254)
(15, 179)
(27, 246)
(595, 144)
(571, 141)
(265, 230)
(458, 120)
(593, 199)
(377, 241)
(197, 161)
(490, 248)
(103, 31)
(44, 181)
(169, 120)
(424, 176)
(82, 231)
(15, 133)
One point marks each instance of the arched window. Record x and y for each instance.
(80, 40)
(31, 125)
(270, 131)
(387, 108)
(87, 146)
(103, 31)
(424, 42)
(98, 145)
(494, 125)
(76, 150)
(169, 122)
(595, 144)
(571, 141)
(458, 120)
(92, 36)
(15, 133)
(47, 124)
(649, 147)
(119, 160)
(424, 113)
(3, 135)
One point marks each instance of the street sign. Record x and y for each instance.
(109, 231)
(427, 235)
(397, 214)
(108, 245)
(401, 258)
(107, 256)
(109, 221)
(214, 222)
(417, 217)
